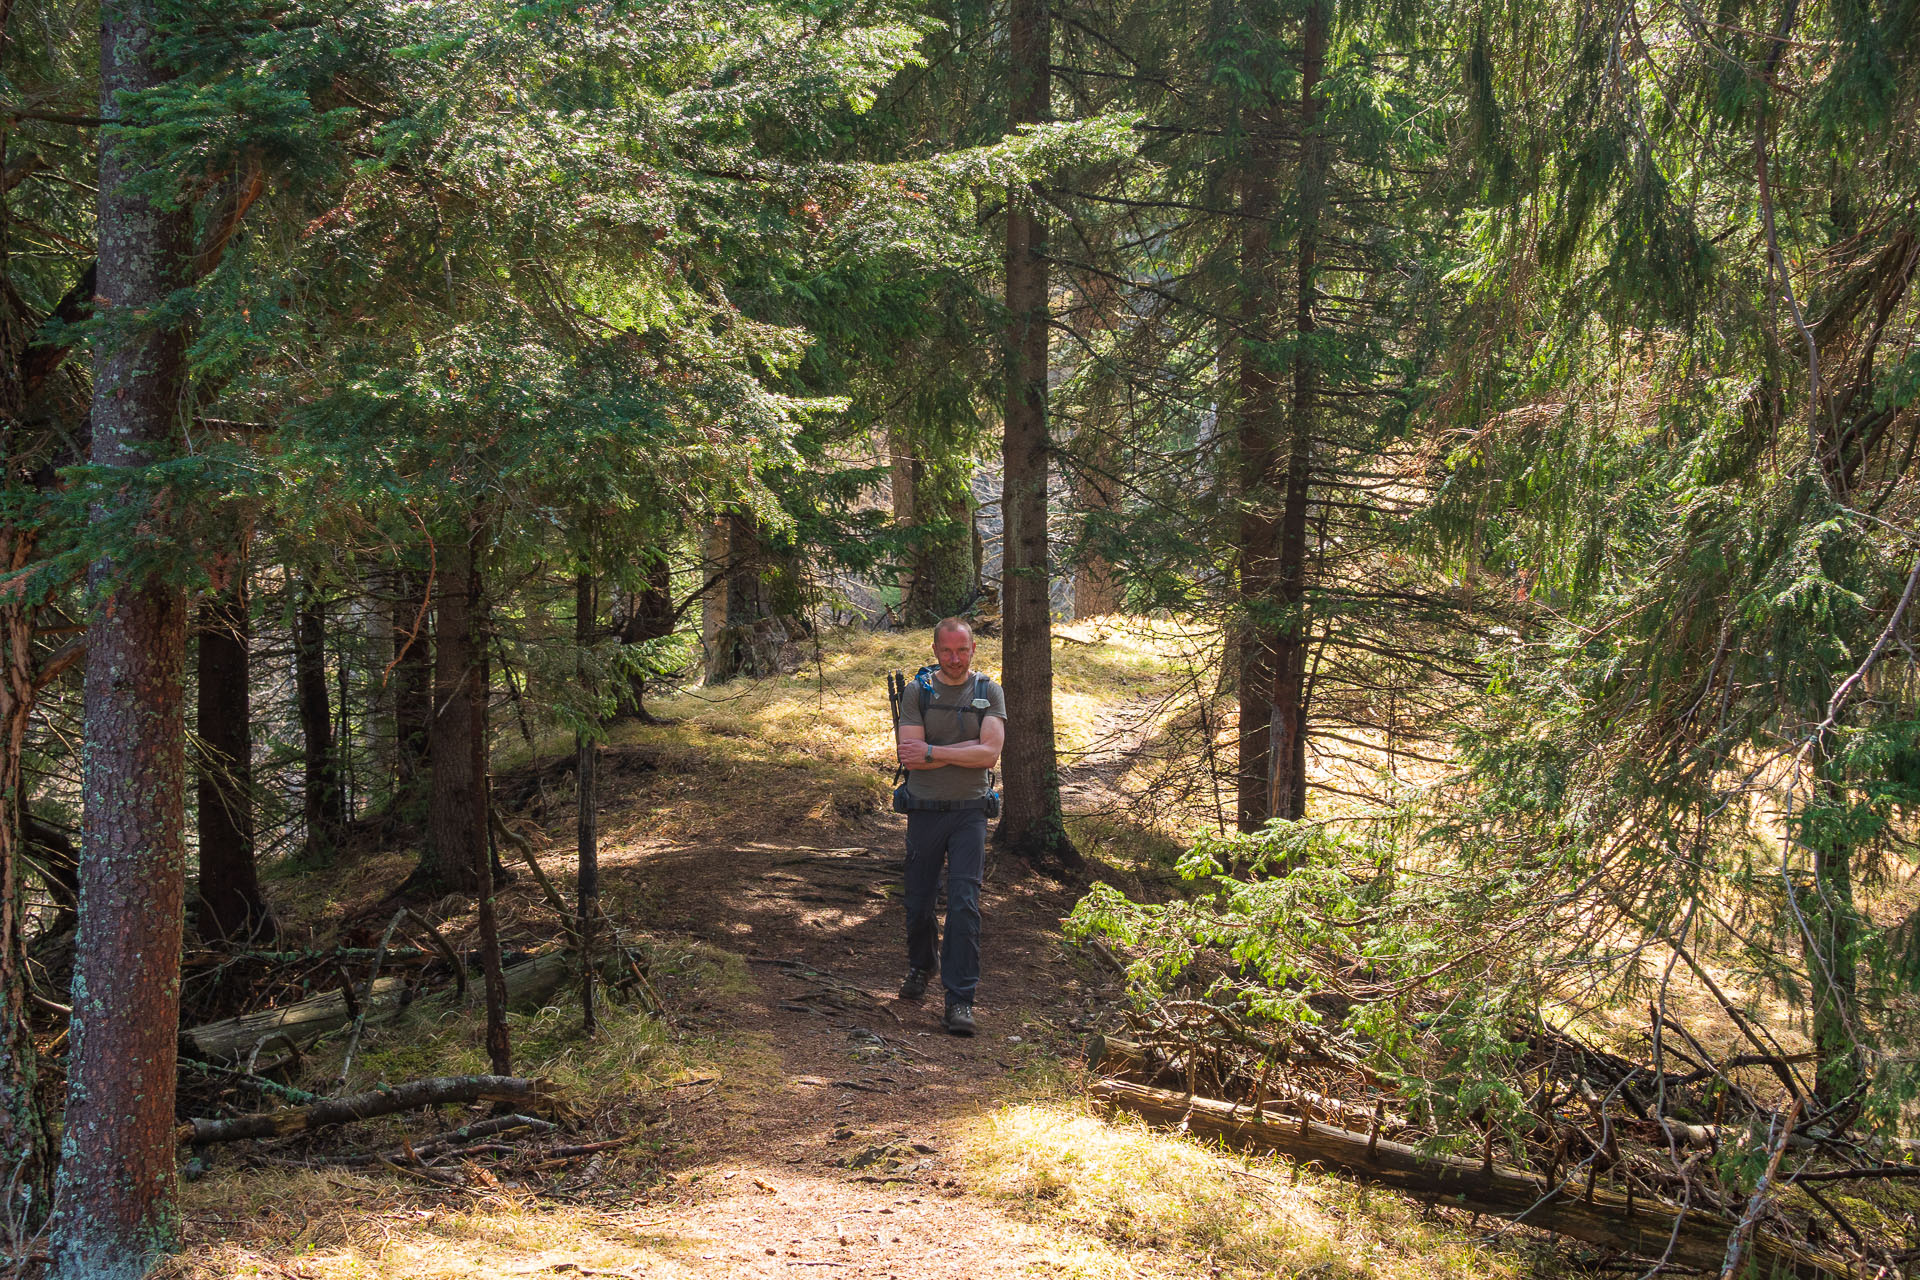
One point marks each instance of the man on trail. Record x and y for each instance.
(953, 722)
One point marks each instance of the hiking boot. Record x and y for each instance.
(915, 985)
(959, 1020)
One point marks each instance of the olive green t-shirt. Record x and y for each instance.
(951, 717)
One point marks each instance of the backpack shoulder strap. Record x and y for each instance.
(923, 679)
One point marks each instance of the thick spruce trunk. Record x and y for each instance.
(1258, 431)
(456, 841)
(116, 1181)
(231, 904)
(326, 813)
(1287, 714)
(1030, 823)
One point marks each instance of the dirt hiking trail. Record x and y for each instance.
(836, 1150)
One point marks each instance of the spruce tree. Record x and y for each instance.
(116, 1179)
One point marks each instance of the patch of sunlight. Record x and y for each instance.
(341, 1225)
(1130, 1187)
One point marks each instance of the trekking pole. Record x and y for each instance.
(896, 690)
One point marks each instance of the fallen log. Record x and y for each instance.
(232, 1040)
(1118, 1057)
(1643, 1228)
(365, 1106)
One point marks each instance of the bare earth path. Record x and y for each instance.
(830, 1146)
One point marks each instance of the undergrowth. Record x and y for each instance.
(1120, 1188)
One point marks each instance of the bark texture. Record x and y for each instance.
(432, 1092)
(231, 903)
(456, 834)
(648, 617)
(944, 571)
(326, 813)
(753, 633)
(1030, 823)
(586, 752)
(1832, 946)
(487, 872)
(116, 1180)
(1287, 712)
(1277, 461)
(412, 683)
(1258, 431)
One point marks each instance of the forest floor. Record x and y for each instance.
(792, 1116)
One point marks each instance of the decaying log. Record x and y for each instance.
(1118, 1057)
(1607, 1219)
(233, 1039)
(364, 1106)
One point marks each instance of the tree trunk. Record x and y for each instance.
(749, 641)
(1833, 950)
(486, 868)
(231, 904)
(412, 682)
(326, 815)
(943, 567)
(1030, 823)
(1259, 410)
(1096, 584)
(587, 895)
(1096, 454)
(713, 605)
(1286, 719)
(456, 843)
(901, 488)
(649, 618)
(116, 1180)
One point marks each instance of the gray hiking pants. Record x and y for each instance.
(958, 839)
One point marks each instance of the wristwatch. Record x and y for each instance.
(929, 747)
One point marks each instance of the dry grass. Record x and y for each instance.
(800, 756)
(793, 760)
(344, 1225)
(1121, 1193)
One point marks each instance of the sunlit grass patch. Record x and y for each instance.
(812, 750)
(344, 1225)
(1134, 1188)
